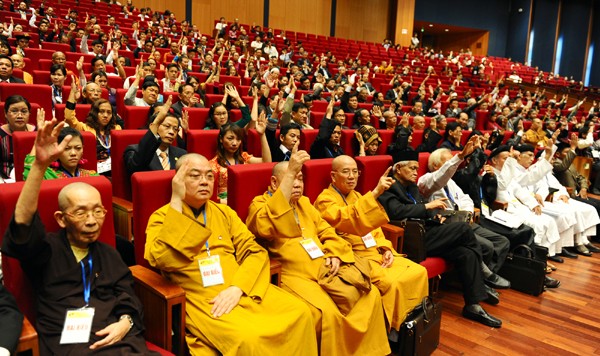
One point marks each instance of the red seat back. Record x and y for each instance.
(14, 278)
(144, 204)
(372, 168)
(197, 118)
(81, 112)
(136, 117)
(317, 176)
(120, 139)
(35, 93)
(23, 143)
(423, 159)
(239, 192)
(387, 137)
(307, 137)
(203, 142)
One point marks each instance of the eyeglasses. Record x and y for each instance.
(80, 215)
(16, 112)
(348, 172)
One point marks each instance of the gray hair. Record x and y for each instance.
(436, 158)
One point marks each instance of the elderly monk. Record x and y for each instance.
(205, 248)
(358, 218)
(306, 245)
(71, 270)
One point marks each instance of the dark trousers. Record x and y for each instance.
(494, 247)
(456, 243)
(593, 202)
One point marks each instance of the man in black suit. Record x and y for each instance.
(11, 321)
(6, 71)
(187, 99)
(455, 242)
(155, 151)
(281, 149)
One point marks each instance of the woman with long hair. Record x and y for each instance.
(99, 121)
(16, 110)
(230, 145)
(219, 116)
(58, 74)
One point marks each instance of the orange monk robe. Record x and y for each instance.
(267, 320)
(404, 284)
(362, 331)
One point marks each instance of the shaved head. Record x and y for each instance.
(190, 156)
(279, 169)
(65, 197)
(340, 161)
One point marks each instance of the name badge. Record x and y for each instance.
(369, 240)
(104, 166)
(78, 326)
(485, 210)
(211, 271)
(311, 248)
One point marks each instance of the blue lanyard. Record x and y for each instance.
(342, 195)
(87, 281)
(269, 192)
(454, 205)
(207, 247)
(410, 196)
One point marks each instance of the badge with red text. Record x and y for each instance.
(369, 240)
(311, 247)
(78, 326)
(211, 271)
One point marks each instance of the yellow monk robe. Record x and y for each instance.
(404, 284)
(267, 321)
(362, 331)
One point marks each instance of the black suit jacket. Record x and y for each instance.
(142, 157)
(399, 205)
(178, 108)
(11, 321)
(277, 154)
(16, 80)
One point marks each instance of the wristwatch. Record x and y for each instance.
(126, 316)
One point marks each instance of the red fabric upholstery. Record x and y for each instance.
(372, 168)
(307, 137)
(135, 117)
(348, 143)
(387, 137)
(435, 266)
(423, 158)
(253, 143)
(203, 142)
(35, 55)
(417, 138)
(81, 112)
(239, 192)
(197, 118)
(23, 143)
(32, 114)
(120, 139)
(146, 203)
(14, 279)
(155, 348)
(35, 93)
(317, 176)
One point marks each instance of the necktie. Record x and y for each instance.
(287, 156)
(164, 160)
(454, 205)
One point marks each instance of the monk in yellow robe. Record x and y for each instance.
(358, 218)
(287, 221)
(204, 247)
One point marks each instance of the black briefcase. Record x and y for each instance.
(413, 243)
(420, 333)
(525, 273)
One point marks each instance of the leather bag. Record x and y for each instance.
(419, 335)
(525, 272)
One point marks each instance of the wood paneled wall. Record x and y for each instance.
(363, 20)
(178, 7)
(204, 12)
(308, 16)
(477, 41)
(405, 20)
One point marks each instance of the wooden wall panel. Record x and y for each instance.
(178, 7)
(478, 42)
(405, 19)
(308, 16)
(205, 12)
(362, 20)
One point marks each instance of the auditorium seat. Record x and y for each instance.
(35, 93)
(317, 176)
(23, 143)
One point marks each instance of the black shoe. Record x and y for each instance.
(556, 259)
(477, 313)
(495, 281)
(592, 248)
(550, 282)
(566, 253)
(493, 297)
(582, 250)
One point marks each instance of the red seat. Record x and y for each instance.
(63, 47)
(307, 137)
(372, 168)
(349, 143)
(317, 176)
(239, 192)
(120, 139)
(36, 54)
(23, 143)
(197, 118)
(203, 142)
(423, 159)
(387, 137)
(35, 93)
(135, 117)
(81, 111)
(32, 114)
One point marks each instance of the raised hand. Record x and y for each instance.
(47, 148)
(178, 186)
(261, 123)
(385, 182)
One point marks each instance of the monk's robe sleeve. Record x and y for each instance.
(357, 218)
(253, 275)
(272, 217)
(173, 240)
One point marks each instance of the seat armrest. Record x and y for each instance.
(28, 341)
(476, 215)
(395, 234)
(164, 309)
(123, 216)
(593, 196)
(275, 272)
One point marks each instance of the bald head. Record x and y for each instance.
(341, 161)
(279, 169)
(192, 157)
(78, 189)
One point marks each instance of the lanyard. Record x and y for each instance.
(342, 195)
(410, 196)
(207, 247)
(454, 205)
(87, 281)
